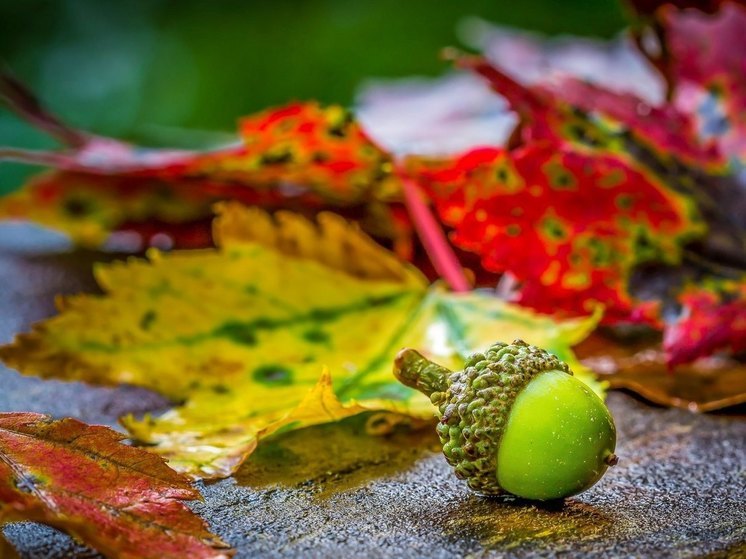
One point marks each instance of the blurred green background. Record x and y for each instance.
(147, 70)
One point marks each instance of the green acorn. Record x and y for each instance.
(516, 421)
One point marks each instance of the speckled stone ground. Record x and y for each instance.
(331, 491)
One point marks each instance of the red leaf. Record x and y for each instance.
(588, 191)
(649, 7)
(121, 500)
(301, 156)
(320, 149)
(714, 318)
(704, 63)
(569, 226)
(663, 128)
(568, 110)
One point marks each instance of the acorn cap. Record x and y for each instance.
(474, 404)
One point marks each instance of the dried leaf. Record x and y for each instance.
(121, 500)
(7, 551)
(241, 334)
(705, 385)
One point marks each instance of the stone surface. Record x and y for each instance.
(332, 491)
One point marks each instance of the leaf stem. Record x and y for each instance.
(434, 240)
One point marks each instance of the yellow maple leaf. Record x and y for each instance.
(239, 335)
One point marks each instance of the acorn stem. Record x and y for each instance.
(416, 371)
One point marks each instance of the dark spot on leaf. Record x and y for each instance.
(339, 128)
(264, 323)
(316, 336)
(77, 207)
(320, 157)
(323, 314)
(162, 192)
(583, 134)
(238, 332)
(601, 255)
(513, 230)
(277, 157)
(383, 299)
(559, 176)
(273, 375)
(220, 389)
(563, 180)
(147, 319)
(337, 131)
(624, 201)
(644, 246)
(554, 229)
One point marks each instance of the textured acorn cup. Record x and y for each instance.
(516, 421)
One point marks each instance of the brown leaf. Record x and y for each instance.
(705, 385)
(6, 550)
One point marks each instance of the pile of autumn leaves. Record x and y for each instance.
(271, 328)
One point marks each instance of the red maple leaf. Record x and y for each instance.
(80, 478)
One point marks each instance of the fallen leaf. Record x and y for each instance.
(302, 150)
(594, 193)
(88, 208)
(123, 501)
(704, 65)
(660, 129)
(240, 334)
(322, 149)
(713, 318)
(708, 384)
(7, 551)
(586, 222)
(302, 156)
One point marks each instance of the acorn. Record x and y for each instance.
(516, 421)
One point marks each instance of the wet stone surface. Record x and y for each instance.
(333, 491)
